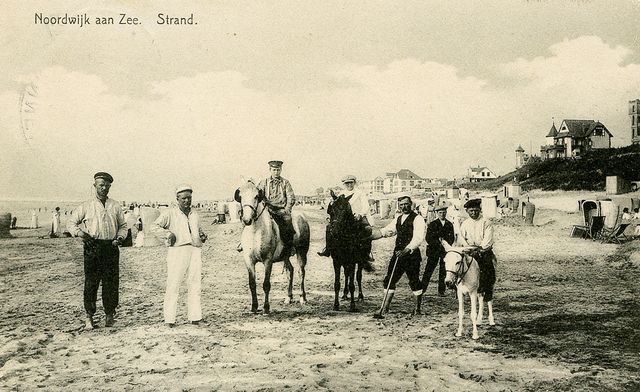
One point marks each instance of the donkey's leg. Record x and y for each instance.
(460, 311)
(289, 298)
(474, 314)
(359, 281)
(251, 269)
(266, 286)
(302, 263)
(336, 285)
(345, 293)
(490, 308)
(480, 309)
(352, 287)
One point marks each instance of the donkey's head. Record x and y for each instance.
(249, 197)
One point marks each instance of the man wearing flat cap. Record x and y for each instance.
(406, 257)
(280, 199)
(477, 232)
(180, 227)
(359, 206)
(438, 229)
(101, 225)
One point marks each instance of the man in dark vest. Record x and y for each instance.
(406, 258)
(438, 229)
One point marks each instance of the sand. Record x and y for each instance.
(566, 312)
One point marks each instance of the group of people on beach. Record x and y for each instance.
(101, 224)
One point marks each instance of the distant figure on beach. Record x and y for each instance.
(180, 227)
(14, 222)
(100, 223)
(55, 223)
(34, 219)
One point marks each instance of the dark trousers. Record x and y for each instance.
(101, 264)
(409, 264)
(433, 261)
(487, 274)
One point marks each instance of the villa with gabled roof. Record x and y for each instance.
(574, 137)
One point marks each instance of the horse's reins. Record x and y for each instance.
(255, 211)
(461, 272)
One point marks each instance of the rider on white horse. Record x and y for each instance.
(359, 206)
(477, 232)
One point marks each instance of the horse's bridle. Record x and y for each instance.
(462, 267)
(255, 211)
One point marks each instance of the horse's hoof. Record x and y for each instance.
(353, 309)
(266, 309)
(287, 301)
(254, 310)
(303, 301)
(458, 334)
(492, 323)
(336, 307)
(361, 298)
(345, 297)
(475, 337)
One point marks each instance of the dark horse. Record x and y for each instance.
(350, 248)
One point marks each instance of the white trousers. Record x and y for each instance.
(183, 260)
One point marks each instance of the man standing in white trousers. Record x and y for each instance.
(180, 227)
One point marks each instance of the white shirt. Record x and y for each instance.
(477, 233)
(102, 222)
(359, 202)
(418, 230)
(186, 228)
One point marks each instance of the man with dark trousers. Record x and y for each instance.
(100, 223)
(438, 229)
(409, 228)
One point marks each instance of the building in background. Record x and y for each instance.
(480, 173)
(574, 138)
(634, 113)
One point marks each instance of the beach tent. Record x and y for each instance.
(607, 208)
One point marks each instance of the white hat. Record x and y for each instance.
(183, 187)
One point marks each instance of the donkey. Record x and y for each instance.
(347, 250)
(463, 273)
(261, 242)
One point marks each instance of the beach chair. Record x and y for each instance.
(615, 234)
(592, 230)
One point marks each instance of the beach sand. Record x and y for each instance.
(566, 312)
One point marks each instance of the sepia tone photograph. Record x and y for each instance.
(320, 196)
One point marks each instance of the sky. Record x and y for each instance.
(330, 88)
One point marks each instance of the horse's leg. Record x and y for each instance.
(352, 287)
(302, 263)
(460, 310)
(480, 309)
(490, 308)
(266, 285)
(251, 269)
(289, 298)
(359, 281)
(345, 293)
(474, 314)
(336, 284)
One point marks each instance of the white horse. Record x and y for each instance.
(261, 242)
(463, 273)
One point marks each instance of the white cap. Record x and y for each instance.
(183, 187)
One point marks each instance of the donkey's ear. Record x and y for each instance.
(236, 196)
(260, 195)
(447, 247)
(333, 194)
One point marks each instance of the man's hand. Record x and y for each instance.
(117, 241)
(203, 236)
(357, 216)
(84, 235)
(171, 239)
(402, 253)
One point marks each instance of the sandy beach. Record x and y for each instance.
(566, 312)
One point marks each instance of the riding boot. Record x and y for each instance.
(417, 310)
(387, 302)
(239, 247)
(325, 252)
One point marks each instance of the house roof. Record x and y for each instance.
(580, 128)
(553, 131)
(478, 169)
(406, 174)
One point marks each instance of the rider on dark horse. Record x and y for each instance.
(361, 211)
(279, 197)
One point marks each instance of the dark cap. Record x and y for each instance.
(473, 203)
(404, 197)
(104, 175)
(441, 208)
(275, 163)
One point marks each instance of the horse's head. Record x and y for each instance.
(249, 197)
(453, 263)
(340, 213)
